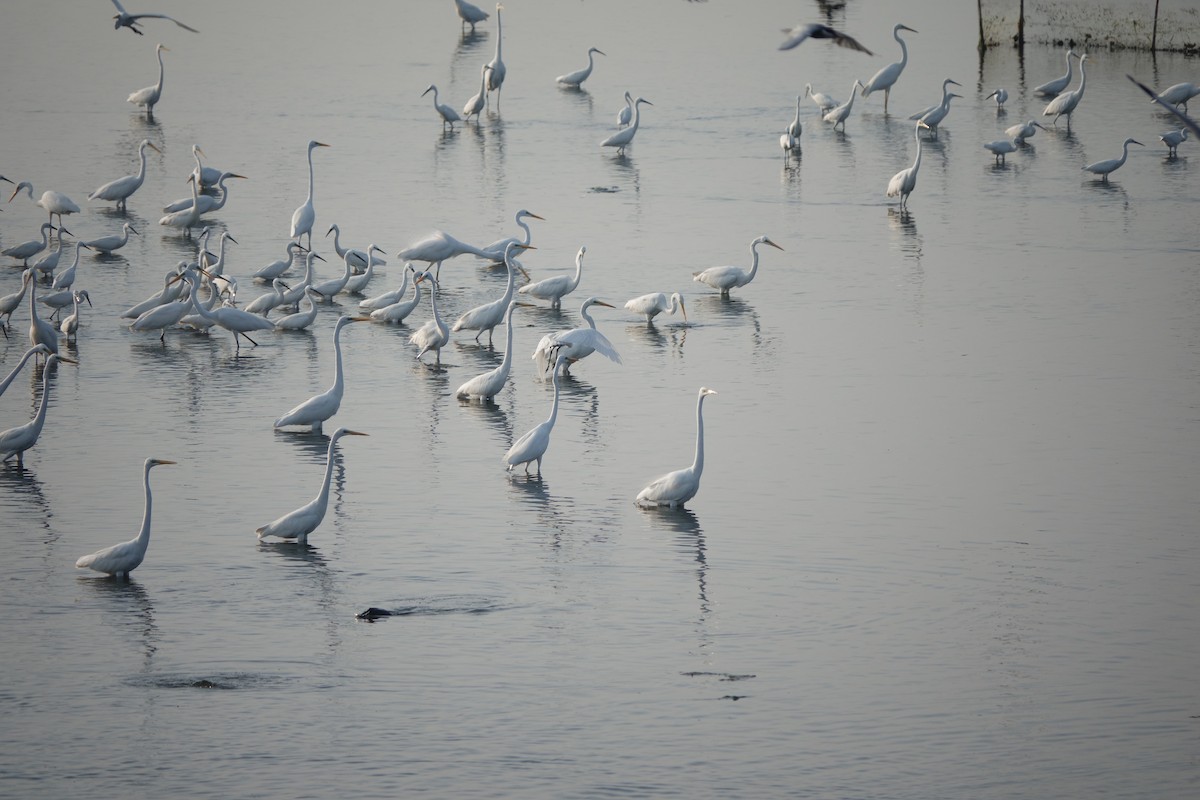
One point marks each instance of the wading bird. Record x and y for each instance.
(563, 348)
(126, 20)
(556, 288)
(496, 69)
(268, 300)
(487, 316)
(317, 409)
(70, 325)
(123, 188)
(37, 350)
(448, 114)
(123, 558)
(238, 322)
(676, 488)
(358, 259)
(814, 30)
(328, 288)
(358, 282)
(15, 441)
(148, 97)
(904, 181)
(626, 113)
(726, 278)
(886, 78)
(164, 316)
(651, 305)
(1000, 148)
(399, 310)
(11, 302)
(576, 78)
(1103, 168)
(388, 297)
(54, 202)
(66, 278)
(1052, 88)
(433, 335)
(304, 317)
(489, 384)
(304, 216)
(40, 331)
(1019, 133)
(838, 115)
(1179, 94)
(187, 218)
(436, 248)
(1067, 102)
(1001, 96)
(470, 14)
(532, 446)
(1172, 139)
(822, 100)
(474, 106)
(622, 138)
(276, 268)
(165, 295)
(208, 203)
(107, 244)
(495, 250)
(1191, 124)
(300, 523)
(27, 250)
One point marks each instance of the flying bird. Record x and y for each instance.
(816, 30)
(126, 20)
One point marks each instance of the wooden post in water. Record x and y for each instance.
(1154, 34)
(982, 43)
(1021, 27)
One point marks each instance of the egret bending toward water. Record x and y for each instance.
(656, 303)
(148, 97)
(556, 288)
(814, 30)
(532, 446)
(904, 181)
(1001, 96)
(1052, 88)
(449, 115)
(575, 344)
(107, 244)
(1172, 139)
(495, 250)
(886, 78)
(838, 115)
(1019, 133)
(70, 325)
(1067, 102)
(470, 13)
(304, 216)
(318, 408)
(208, 203)
(36, 350)
(126, 20)
(15, 441)
(489, 384)
(123, 558)
(726, 278)
(1000, 148)
(436, 248)
(27, 250)
(54, 202)
(622, 138)
(122, 189)
(1179, 94)
(487, 316)
(1103, 168)
(300, 523)
(676, 488)
(496, 69)
(822, 100)
(433, 335)
(576, 78)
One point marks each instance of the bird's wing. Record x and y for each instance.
(136, 17)
(120, 9)
(601, 344)
(1184, 118)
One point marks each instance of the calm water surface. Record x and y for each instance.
(946, 541)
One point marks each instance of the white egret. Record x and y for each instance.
(123, 188)
(126, 20)
(293, 296)
(36, 350)
(496, 69)
(904, 181)
(123, 558)
(328, 288)
(397, 312)
(317, 409)
(788, 143)
(1051, 88)
(358, 282)
(676, 488)
(1000, 148)
(54, 202)
(303, 318)
(945, 92)
(1191, 124)
(532, 446)
(433, 335)
(556, 288)
(886, 78)
(1179, 94)
(107, 244)
(487, 316)
(148, 97)
(40, 331)
(304, 216)
(168, 293)
(238, 322)
(11, 302)
(474, 106)
(822, 100)
(358, 259)
(164, 316)
(217, 267)
(575, 344)
(622, 138)
(813, 30)
(470, 14)
(436, 248)
(49, 262)
(1001, 96)
(187, 218)
(495, 250)
(838, 115)
(489, 384)
(1172, 139)
(57, 300)
(793, 128)
(1103, 168)
(208, 176)
(626, 113)
(934, 118)
(576, 78)
(276, 268)
(726, 278)
(1019, 133)
(70, 325)
(15, 441)
(1067, 102)
(27, 250)
(268, 300)
(651, 305)
(66, 278)
(448, 114)
(388, 297)
(300, 523)
(208, 203)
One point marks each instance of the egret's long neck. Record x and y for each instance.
(143, 537)
(40, 418)
(554, 406)
(753, 264)
(437, 320)
(512, 279)
(323, 495)
(499, 34)
(338, 383)
(587, 318)
(521, 223)
(220, 202)
(1082, 81)
(506, 362)
(698, 461)
(30, 353)
(917, 162)
(161, 72)
(337, 244)
(141, 176)
(637, 115)
(903, 50)
(578, 275)
(1070, 69)
(310, 164)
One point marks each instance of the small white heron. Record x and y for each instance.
(1103, 168)
(123, 558)
(168, 293)
(676, 488)
(1054, 87)
(474, 106)
(358, 281)
(115, 241)
(1179, 94)
(27, 250)
(208, 203)
(495, 250)
(70, 325)
(839, 114)
(886, 78)
(1172, 139)
(1001, 96)
(302, 318)
(814, 30)
(651, 305)
(358, 259)
(298, 524)
(268, 300)
(390, 296)
(279, 266)
(532, 446)
(489, 384)
(497, 72)
(187, 218)
(945, 93)
(328, 288)
(123, 188)
(11, 302)
(556, 288)
(622, 138)
(470, 14)
(575, 79)
(164, 316)
(1020, 132)
(148, 97)
(317, 409)
(238, 322)
(433, 335)
(822, 100)
(448, 114)
(66, 278)
(726, 278)
(397, 311)
(625, 115)
(1000, 148)
(54, 202)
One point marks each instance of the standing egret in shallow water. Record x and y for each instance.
(187, 218)
(15, 441)
(626, 113)
(676, 488)
(1191, 124)
(1103, 168)
(70, 325)
(234, 320)
(487, 316)
(651, 305)
(397, 311)
(1000, 148)
(122, 189)
(1067, 102)
(814, 30)
(388, 297)
(304, 216)
(470, 14)
(487, 385)
(54, 202)
(208, 203)
(276, 268)
(474, 106)
(838, 115)
(318, 408)
(107, 244)
(27, 250)
(1172, 139)
(887, 77)
(300, 523)
(1179, 94)
(556, 288)
(564, 348)
(822, 100)
(1020, 132)
(904, 181)
(11, 302)
(496, 71)
(1052, 88)
(358, 259)
(449, 115)
(40, 331)
(495, 250)
(148, 98)
(304, 317)
(532, 446)
(726, 278)
(123, 558)
(433, 335)
(622, 138)
(576, 78)
(793, 128)
(1001, 96)
(126, 20)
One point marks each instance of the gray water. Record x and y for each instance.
(945, 544)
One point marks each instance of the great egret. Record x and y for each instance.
(358, 282)
(1179, 94)
(303, 318)
(489, 384)
(576, 78)
(54, 202)
(66, 278)
(318, 408)
(822, 100)
(838, 115)
(556, 288)
(448, 114)
(433, 335)
(70, 325)
(575, 344)
(934, 118)
(470, 13)
(10, 302)
(15, 441)
(1067, 102)
(123, 558)
(1052, 88)
(208, 203)
(27, 250)
(676, 488)
(293, 295)
(268, 300)
(238, 322)
(40, 331)
(121, 189)
(300, 523)
(474, 106)
(726, 278)
(304, 216)
(788, 143)
(208, 176)
(36, 350)
(1000, 148)
(148, 97)
(1103, 168)
(49, 262)
(168, 293)
(814, 30)
(1001, 96)
(904, 181)
(1172, 139)
(397, 311)
(626, 113)
(651, 305)
(887, 77)
(328, 288)
(622, 138)
(1020, 132)
(943, 102)
(487, 316)
(276, 268)
(358, 259)
(496, 69)
(388, 297)
(164, 316)
(126, 20)
(187, 218)
(436, 248)
(532, 446)
(793, 128)
(495, 250)
(107, 244)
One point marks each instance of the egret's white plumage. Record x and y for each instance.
(148, 97)
(278, 267)
(433, 335)
(1191, 124)
(655, 303)
(238, 322)
(822, 100)
(268, 300)
(575, 344)
(1172, 139)
(943, 102)
(470, 14)
(726, 278)
(1067, 102)
(15, 441)
(66, 278)
(304, 216)
(497, 72)
(1179, 94)
(1103, 168)
(293, 295)
(126, 20)
(934, 118)
(358, 281)
(577, 77)
(532, 446)
(793, 128)
(676, 488)
(54, 202)
(1051, 88)
(396, 312)
(389, 297)
(495, 250)
(123, 558)
(1020, 132)
(304, 317)
(40, 331)
(107, 244)
(318, 408)
(487, 316)
(328, 288)
(904, 181)
(70, 325)
(448, 114)
(1000, 148)
(168, 293)
(11, 302)
(886, 78)
(27, 250)
(623, 137)
(207, 176)
(625, 115)
(839, 114)
(474, 106)
(187, 218)
(487, 385)
(164, 316)
(46, 265)
(556, 288)
(814, 30)
(208, 203)
(358, 259)
(437, 247)
(123, 188)
(300, 523)
(36, 350)
(1001, 96)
